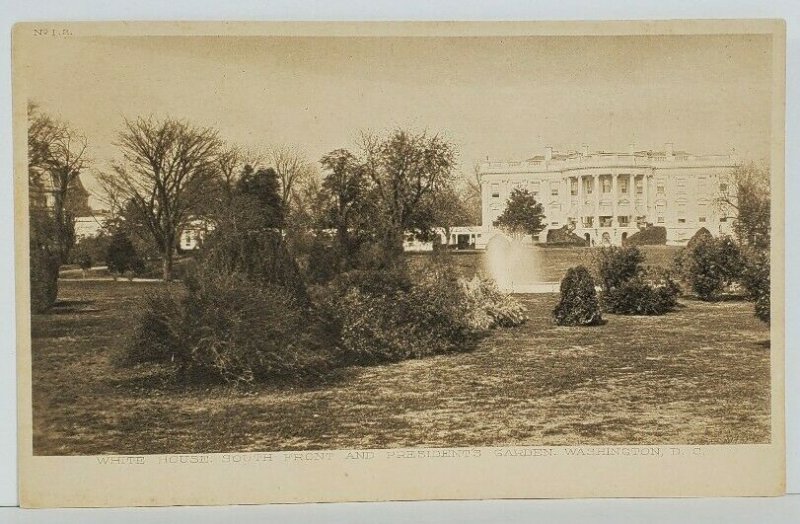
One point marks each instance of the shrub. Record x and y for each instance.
(628, 289)
(44, 262)
(710, 266)
(644, 294)
(564, 237)
(649, 236)
(617, 265)
(755, 280)
(578, 304)
(225, 328)
(258, 255)
(121, 255)
(488, 307)
(702, 235)
(43, 278)
(388, 315)
(84, 260)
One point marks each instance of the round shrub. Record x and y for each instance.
(711, 265)
(617, 265)
(578, 304)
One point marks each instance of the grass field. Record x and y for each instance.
(697, 376)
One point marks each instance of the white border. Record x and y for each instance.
(392, 10)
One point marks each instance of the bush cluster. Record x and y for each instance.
(710, 265)
(378, 316)
(644, 294)
(629, 289)
(578, 304)
(222, 327)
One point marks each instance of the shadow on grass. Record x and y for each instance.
(72, 306)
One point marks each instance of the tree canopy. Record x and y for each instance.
(522, 216)
(167, 169)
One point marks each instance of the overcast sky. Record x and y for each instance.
(505, 98)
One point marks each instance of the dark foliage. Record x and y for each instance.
(224, 328)
(628, 289)
(702, 235)
(380, 316)
(617, 265)
(121, 255)
(44, 262)
(578, 304)
(710, 266)
(756, 281)
(649, 236)
(259, 256)
(642, 295)
(564, 237)
(522, 216)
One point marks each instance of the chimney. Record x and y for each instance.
(548, 153)
(669, 149)
(585, 150)
(631, 149)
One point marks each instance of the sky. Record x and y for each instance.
(501, 98)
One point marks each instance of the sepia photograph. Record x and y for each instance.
(430, 242)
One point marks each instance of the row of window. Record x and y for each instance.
(605, 187)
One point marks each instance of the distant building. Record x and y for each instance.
(90, 226)
(193, 232)
(607, 197)
(461, 238)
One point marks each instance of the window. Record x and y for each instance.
(588, 221)
(495, 190)
(723, 219)
(588, 186)
(660, 187)
(701, 219)
(681, 221)
(723, 188)
(624, 221)
(639, 186)
(623, 185)
(606, 184)
(573, 187)
(660, 219)
(553, 188)
(605, 221)
(553, 223)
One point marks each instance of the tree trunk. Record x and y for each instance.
(166, 265)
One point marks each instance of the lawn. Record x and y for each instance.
(699, 375)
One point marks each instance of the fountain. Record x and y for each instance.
(515, 265)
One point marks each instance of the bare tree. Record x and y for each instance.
(167, 168)
(744, 196)
(56, 156)
(294, 171)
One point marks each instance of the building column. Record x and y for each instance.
(614, 197)
(646, 196)
(581, 198)
(596, 191)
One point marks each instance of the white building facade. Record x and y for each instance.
(607, 197)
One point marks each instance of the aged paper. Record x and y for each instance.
(569, 111)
